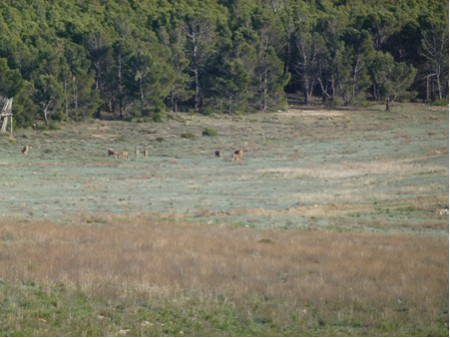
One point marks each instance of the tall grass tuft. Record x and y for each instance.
(163, 278)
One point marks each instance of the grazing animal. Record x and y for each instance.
(217, 153)
(443, 212)
(122, 154)
(145, 152)
(25, 149)
(237, 155)
(111, 152)
(137, 152)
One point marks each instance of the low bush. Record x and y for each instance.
(188, 135)
(209, 132)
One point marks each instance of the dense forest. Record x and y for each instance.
(132, 59)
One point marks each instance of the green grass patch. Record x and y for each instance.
(209, 132)
(188, 135)
(30, 309)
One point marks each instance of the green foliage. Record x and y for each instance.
(10, 80)
(188, 135)
(391, 79)
(440, 103)
(209, 132)
(125, 57)
(48, 95)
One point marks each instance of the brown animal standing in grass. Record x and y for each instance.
(112, 152)
(217, 153)
(237, 155)
(137, 152)
(25, 149)
(122, 154)
(145, 152)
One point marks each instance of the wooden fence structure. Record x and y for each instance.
(6, 115)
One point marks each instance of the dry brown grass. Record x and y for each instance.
(369, 279)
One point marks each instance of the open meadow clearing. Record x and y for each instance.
(333, 222)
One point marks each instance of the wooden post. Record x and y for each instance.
(5, 122)
(5, 114)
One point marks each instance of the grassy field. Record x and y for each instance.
(334, 222)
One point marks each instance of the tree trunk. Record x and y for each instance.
(197, 90)
(119, 76)
(263, 91)
(438, 81)
(66, 99)
(46, 117)
(141, 90)
(388, 104)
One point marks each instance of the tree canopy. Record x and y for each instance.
(66, 59)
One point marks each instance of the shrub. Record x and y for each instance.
(440, 103)
(188, 135)
(54, 126)
(209, 132)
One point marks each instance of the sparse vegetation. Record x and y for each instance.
(188, 135)
(209, 132)
(164, 278)
(334, 223)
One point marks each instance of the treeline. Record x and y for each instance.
(72, 59)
